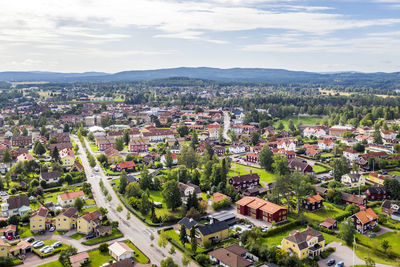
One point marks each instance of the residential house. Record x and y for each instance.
(127, 166)
(377, 179)
(4, 249)
(353, 179)
(120, 251)
(60, 146)
(219, 150)
(79, 259)
(300, 166)
(189, 189)
(381, 148)
(360, 201)
(351, 154)
(326, 144)
(329, 223)
(244, 181)
(392, 209)
(376, 193)
(338, 130)
(213, 233)
(189, 223)
(67, 157)
(252, 157)
(66, 220)
(103, 230)
(231, 256)
(138, 146)
(237, 148)
(156, 135)
(288, 143)
(312, 203)
(104, 143)
(25, 157)
(88, 222)
(113, 156)
(261, 209)
(217, 197)
(50, 177)
(174, 159)
(68, 198)
(40, 220)
(304, 244)
(9, 231)
(21, 140)
(17, 205)
(365, 220)
(213, 130)
(21, 248)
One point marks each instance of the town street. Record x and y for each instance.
(133, 229)
(227, 125)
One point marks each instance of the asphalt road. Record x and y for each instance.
(133, 229)
(227, 125)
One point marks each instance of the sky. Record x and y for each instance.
(118, 35)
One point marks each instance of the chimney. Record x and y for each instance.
(191, 220)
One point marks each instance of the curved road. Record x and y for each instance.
(227, 125)
(133, 229)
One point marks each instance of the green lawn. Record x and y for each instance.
(156, 196)
(24, 231)
(265, 176)
(77, 236)
(114, 235)
(93, 147)
(327, 155)
(175, 236)
(302, 120)
(394, 173)
(139, 256)
(49, 242)
(97, 258)
(329, 210)
(392, 237)
(319, 168)
(364, 252)
(55, 263)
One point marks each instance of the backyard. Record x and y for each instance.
(296, 120)
(265, 176)
(320, 168)
(329, 211)
(139, 256)
(114, 235)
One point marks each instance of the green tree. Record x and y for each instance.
(123, 182)
(7, 156)
(182, 130)
(195, 140)
(168, 262)
(168, 159)
(193, 240)
(55, 155)
(103, 248)
(182, 235)
(377, 136)
(146, 204)
(348, 232)
(185, 261)
(162, 240)
(119, 143)
(126, 137)
(146, 180)
(266, 158)
(280, 165)
(291, 125)
(385, 245)
(38, 148)
(397, 148)
(24, 132)
(172, 195)
(280, 126)
(90, 137)
(78, 204)
(255, 138)
(369, 262)
(188, 157)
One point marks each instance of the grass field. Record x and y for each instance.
(139, 256)
(296, 120)
(55, 263)
(93, 147)
(97, 258)
(115, 234)
(394, 173)
(319, 168)
(77, 236)
(175, 236)
(327, 155)
(265, 176)
(364, 252)
(392, 237)
(320, 215)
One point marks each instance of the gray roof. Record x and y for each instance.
(209, 229)
(188, 222)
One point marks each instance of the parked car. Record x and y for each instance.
(39, 244)
(48, 250)
(264, 228)
(3, 194)
(340, 264)
(56, 244)
(37, 241)
(109, 178)
(52, 229)
(331, 262)
(96, 169)
(30, 239)
(44, 248)
(90, 236)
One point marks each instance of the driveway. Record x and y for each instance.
(345, 254)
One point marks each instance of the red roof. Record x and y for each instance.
(127, 164)
(71, 195)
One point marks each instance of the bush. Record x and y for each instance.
(327, 252)
(103, 247)
(202, 259)
(376, 229)
(207, 244)
(281, 228)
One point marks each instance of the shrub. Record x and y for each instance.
(103, 247)
(376, 229)
(327, 252)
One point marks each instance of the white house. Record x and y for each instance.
(314, 131)
(350, 154)
(326, 144)
(121, 251)
(237, 148)
(174, 159)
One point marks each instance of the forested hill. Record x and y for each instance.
(388, 80)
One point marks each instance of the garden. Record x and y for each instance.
(265, 176)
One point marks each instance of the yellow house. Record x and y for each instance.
(4, 249)
(67, 157)
(213, 232)
(67, 220)
(40, 220)
(376, 178)
(88, 222)
(304, 243)
(353, 179)
(113, 156)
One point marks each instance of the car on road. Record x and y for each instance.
(52, 229)
(3, 193)
(109, 178)
(30, 239)
(264, 228)
(90, 236)
(340, 264)
(331, 262)
(96, 169)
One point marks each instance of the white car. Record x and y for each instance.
(39, 244)
(48, 250)
(56, 244)
(44, 248)
(52, 229)
(3, 194)
(96, 169)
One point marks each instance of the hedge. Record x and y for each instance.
(281, 228)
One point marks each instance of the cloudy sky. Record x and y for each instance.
(117, 35)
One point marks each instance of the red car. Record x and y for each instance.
(109, 178)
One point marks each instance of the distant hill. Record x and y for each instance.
(216, 74)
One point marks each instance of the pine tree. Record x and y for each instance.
(55, 155)
(183, 235)
(193, 240)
